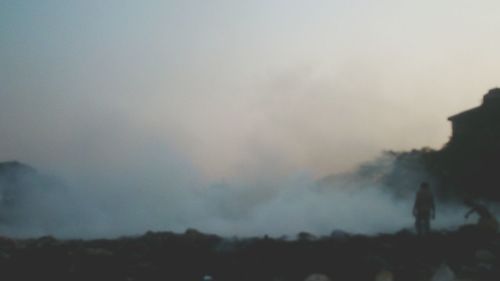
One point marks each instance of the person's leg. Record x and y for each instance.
(418, 225)
(427, 225)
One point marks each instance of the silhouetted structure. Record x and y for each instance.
(479, 126)
(468, 164)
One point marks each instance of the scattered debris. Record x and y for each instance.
(384, 275)
(485, 256)
(317, 277)
(443, 273)
(386, 257)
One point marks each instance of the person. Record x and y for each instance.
(487, 221)
(424, 209)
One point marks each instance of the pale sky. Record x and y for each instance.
(232, 88)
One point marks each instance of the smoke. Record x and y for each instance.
(170, 195)
(250, 110)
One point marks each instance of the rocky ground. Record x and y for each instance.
(461, 255)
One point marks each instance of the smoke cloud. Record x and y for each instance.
(169, 196)
(223, 115)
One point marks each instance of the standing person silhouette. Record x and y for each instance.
(424, 209)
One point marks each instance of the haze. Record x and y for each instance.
(320, 85)
(103, 93)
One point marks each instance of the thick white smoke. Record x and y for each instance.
(170, 196)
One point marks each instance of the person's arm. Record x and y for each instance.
(472, 210)
(433, 208)
(415, 206)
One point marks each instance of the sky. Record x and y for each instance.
(236, 89)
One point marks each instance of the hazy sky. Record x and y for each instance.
(233, 87)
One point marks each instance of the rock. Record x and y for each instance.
(384, 275)
(306, 236)
(144, 266)
(193, 233)
(339, 234)
(98, 252)
(443, 273)
(317, 277)
(207, 278)
(4, 255)
(376, 262)
(405, 232)
(484, 256)
(7, 243)
(46, 241)
(484, 267)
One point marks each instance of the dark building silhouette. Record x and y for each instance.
(470, 161)
(479, 126)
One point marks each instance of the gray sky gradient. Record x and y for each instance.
(232, 88)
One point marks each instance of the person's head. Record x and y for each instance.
(424, 185)
(469, 202)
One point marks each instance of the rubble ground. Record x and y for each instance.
(465, 254)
